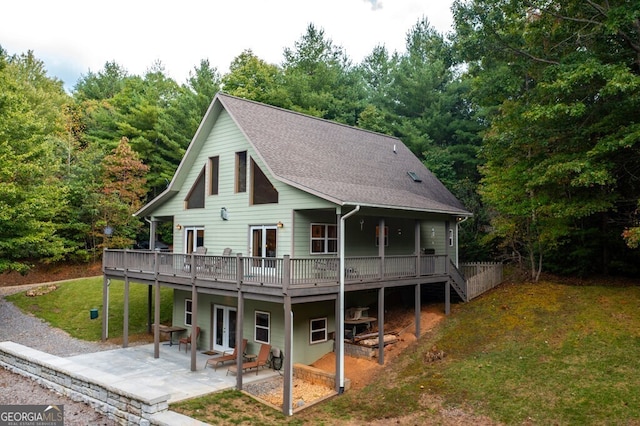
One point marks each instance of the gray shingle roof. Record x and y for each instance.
(343, 164)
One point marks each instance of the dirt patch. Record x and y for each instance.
(361, 371)
(45, 273)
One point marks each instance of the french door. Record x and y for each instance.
(263, 245)
(224, 321)
(193, 238)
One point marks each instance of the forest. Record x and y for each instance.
(529, 112)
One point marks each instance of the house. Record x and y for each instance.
(282, 222)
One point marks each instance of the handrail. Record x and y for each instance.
(272, 270)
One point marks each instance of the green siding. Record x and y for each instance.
(303, 351)
(224, 141)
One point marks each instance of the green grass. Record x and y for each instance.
(536, 354)
(68, 307)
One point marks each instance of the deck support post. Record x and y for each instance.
(156, 319)
(287, 396)
(194, 325)
(447, 298)
(240, 319)
(125, 319)
(418, 307)
(339, 345)
(381, 326)
(105, 307)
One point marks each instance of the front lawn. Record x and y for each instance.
(68, 308)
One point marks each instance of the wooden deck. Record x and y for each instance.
(296, 276)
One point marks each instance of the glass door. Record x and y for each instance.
(224, 328)
(263, 245)
(193, 238)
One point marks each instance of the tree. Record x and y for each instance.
(321, 80)
(122, 194)
(252, 78)
(560, 84)
(31, 192)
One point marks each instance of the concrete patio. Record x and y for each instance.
(170, 373)
(128, 384)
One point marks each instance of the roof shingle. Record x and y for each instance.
(337, 162)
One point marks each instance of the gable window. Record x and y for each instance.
(241, 171)
(195, 198)
(324, 238)
(214, 173)
(318, 330)
(386, 236)
(262, 191)
(188, 316)
(262, 324)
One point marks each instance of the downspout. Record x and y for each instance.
(341, 314)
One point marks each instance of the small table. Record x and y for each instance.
(359, 321)
(250, 357)
(170, 330)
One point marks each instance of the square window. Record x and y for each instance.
(318, 330)
(188, 316)
(262, 327)
(324, 238)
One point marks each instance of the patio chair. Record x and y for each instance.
(261, 361)
(186, 341)
(200, 250)
(215, 361)
(220, 263)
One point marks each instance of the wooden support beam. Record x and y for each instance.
(381, 326)
(194, 325)
(156, 316)
(418, 308)
(339, 342)
(125, 319)
(105, 307)
(287, 398)
(239, 335)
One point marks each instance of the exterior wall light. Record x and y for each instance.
(280, 225)
(178, 227)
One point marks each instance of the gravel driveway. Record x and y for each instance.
(31, 331)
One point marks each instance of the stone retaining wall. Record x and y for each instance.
(126, 404)
(359, 351)
(317, 376)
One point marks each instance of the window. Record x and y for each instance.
(414, 176)
(318, 330)
(188, 316)
(214, 173)
(195, 198)
(324, 238)
(451, 237)
(386, 236)
(262, 323)
(262, 190)
(241, 171)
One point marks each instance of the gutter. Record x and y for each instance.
(341, 316)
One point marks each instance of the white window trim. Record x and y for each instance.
(325, 240)
(450, 237)
(188, 312)
(256, 327)
(322, 329)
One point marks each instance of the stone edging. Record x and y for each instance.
(122, 402)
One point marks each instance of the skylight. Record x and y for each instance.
(414, 176)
